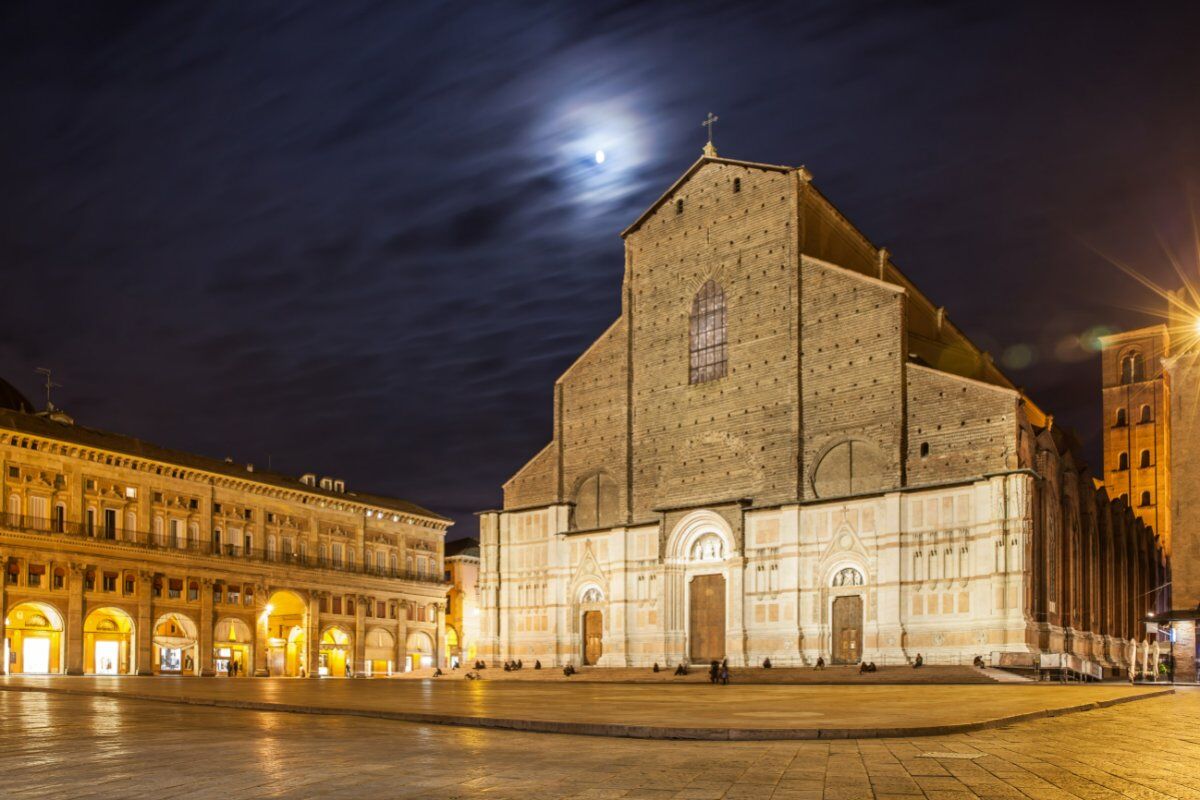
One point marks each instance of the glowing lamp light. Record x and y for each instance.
(1196, 325)
(269, 608)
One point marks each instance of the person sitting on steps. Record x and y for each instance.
(919, 661)
(681, 669)
(820, 662)
(766, 663)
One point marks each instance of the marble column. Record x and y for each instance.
(205, 628)
(74, 623)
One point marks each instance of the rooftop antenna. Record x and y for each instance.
(49, 385)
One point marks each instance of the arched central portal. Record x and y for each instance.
(233, 646)
(420, 651)
(706, 618)
(287, 616)
(108, 643)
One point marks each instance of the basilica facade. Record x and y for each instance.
(782, 449)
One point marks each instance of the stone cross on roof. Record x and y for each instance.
(709, 150)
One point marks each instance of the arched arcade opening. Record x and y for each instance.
(33, 639)
(108, 642)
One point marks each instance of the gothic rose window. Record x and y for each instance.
(848, 577)
(707, 334)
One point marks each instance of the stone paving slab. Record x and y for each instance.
(704, 712)
(62, 746)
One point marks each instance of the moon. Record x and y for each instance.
(599, 156)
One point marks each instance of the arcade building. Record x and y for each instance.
(122, 558)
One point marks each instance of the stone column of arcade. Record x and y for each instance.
(360, 637)
(3, 607)
(261, 632)
(402, 637)
(312, 636)
(74, 626)
(439, 655)
(144, 632)
(206, 623)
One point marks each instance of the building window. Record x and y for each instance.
(1131, 368)
(156, 588)
(59, 578)
(14, 572)
(60, 518)
(737, 184)
(1146, 417)
(1146, 499)
(235, 595)
(129, 585)
(91, 522)
(218, 590)
(337, 605)
(678, 206)
(924, 449)
(110, 581)
(89, 580)
(193, 591)
(1144, 459)
(1123, 461)
(175, 588)
(1121, 421)
(381, 609)
(248, 593)
(707, 334)
(36, 571)
(349, 605)
(337, 555)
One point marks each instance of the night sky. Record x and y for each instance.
(363, 239)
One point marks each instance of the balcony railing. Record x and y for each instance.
(181, 544)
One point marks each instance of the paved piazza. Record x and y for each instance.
(662, 711)
(54, 745)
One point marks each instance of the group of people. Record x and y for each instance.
(866, 666)
(719, 672)
(513, 666)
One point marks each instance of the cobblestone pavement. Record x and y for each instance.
(746, 707)
(62, 746)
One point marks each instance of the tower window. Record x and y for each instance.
(1146, 417)
(1146, 498)
(1144, 459)
(1123, 461)
(924, 449)
(1131, 368)
(678, 206)
(707, 334)
(737, 184)
(1121, 419)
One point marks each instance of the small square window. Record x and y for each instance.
(89, 484)
(158, 497)
(216, 508)
(193, 503)
(131, 492)
(14, 472)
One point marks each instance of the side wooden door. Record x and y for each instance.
(847, 629)
(593, 636)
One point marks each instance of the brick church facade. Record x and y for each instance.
(782, 449)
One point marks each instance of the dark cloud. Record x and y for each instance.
(364, 238)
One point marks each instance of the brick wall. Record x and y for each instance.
(958, 428)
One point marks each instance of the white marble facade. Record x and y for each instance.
(941, 572)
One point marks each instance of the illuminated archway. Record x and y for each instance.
(453, 652)
(233, 644)
(175, 645)
(380, 652)
(287, 619)
(420, 651)
(33, 639)
(108, 643)
(336, 655)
